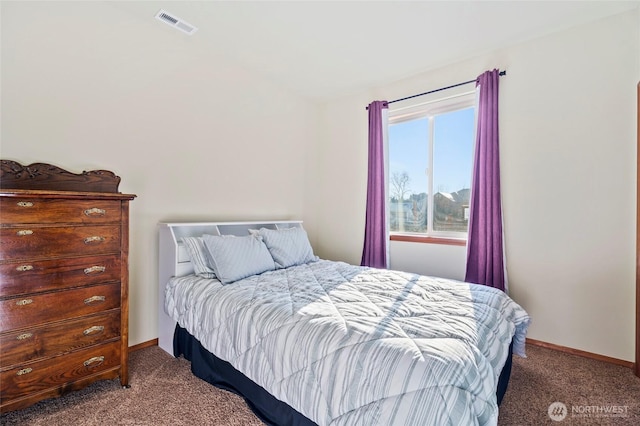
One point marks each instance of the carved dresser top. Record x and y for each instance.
(43, 176)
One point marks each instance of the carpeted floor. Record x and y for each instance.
(581, 384)
(164, 392)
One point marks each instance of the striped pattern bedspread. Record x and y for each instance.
(350, 345)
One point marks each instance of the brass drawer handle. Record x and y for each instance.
(95, 212)
(94, 269)
(94, 239)
(24, 302)
(24, 336)
(24, 371)
(98, 359)
(93, 330)
(23, 268)
(23, 232)
(94, 299)
(24, 204)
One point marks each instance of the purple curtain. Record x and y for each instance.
(485, 255)
(374, 253)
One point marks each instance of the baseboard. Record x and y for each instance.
(572, 351)
(581, 353)
(143, 345)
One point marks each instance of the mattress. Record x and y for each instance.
(345, 344)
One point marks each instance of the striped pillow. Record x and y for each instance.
(288, 247)
(198, 255)
(234, 258)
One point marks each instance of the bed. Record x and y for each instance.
(311, 341)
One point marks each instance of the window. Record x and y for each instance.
(430, 164)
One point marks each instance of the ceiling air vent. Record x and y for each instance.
(175, 22)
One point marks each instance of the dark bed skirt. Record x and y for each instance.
(220, 373)
(272, 411)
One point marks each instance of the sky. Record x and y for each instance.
(453, 151)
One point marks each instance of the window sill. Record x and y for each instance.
(428, 240)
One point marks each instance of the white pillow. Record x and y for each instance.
(234, 258)
(199, 256)
(288, 247)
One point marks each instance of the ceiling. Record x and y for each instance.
(327, 49)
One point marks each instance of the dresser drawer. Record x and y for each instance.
(43, 275)
(54, 339)
(39, 376)
(34, 210)
(45, 242)
(32, 310)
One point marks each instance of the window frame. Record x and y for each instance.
(430, 109)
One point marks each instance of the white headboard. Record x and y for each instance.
(174, 260)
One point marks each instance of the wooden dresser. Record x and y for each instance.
(64, 241)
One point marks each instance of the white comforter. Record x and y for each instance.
(348, 345)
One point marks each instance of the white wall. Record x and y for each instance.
(568, 157)
(84, 87)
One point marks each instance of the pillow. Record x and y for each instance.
(199, 257)
(234, 258)
(288, 247)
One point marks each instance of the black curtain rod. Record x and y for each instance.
(439, 90)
